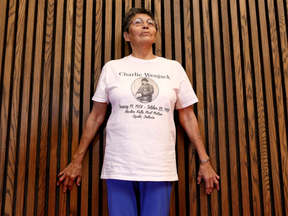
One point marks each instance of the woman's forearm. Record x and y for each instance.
(189, 122)
(94, 121)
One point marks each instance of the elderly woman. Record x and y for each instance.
(143, 89)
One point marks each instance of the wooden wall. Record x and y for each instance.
(235, 54)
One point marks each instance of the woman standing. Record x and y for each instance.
(143, 89)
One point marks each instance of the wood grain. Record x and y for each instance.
(3, 9)
(229, 103)
(45, 110)
(34, 136)
(55, 113)
(220, 106)
(5, 110)
(87, 80)
(269, 97)
(157, 15)
(108, 30)
(260, 110)
(239, 57)
(282, 26)
(25, 118)
(96, 196)
(138, 4)
(147, 4)
(12, 170)
(210, 105)
(279, 106)
(118, 29)
(65, 108)
(77, 67)
(167, 30)
(128, 5)
(203, 205)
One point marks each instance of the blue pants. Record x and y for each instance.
(133, 198)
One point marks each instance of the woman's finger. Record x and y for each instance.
(61, 179)
(65, 185)
(216, 183)
(78, 180)
(209, 187)
(199, 178)
(70, 184)
(61, 173)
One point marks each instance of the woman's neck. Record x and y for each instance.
(143, 53)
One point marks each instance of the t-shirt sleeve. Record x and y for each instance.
(185, 95)
(101, 94)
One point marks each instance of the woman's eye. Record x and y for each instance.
(137, 22)
(150, 22)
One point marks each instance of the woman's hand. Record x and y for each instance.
(72, 172)
(207, 173)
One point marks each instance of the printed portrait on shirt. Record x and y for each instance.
(144, 89)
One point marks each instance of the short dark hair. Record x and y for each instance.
(131, 13)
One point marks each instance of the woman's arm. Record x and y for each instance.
(74, 170)
(189, 122)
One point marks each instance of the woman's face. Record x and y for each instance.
(141, 34)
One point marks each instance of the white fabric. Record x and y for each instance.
(140, 132)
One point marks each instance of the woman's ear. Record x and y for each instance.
(126, 36)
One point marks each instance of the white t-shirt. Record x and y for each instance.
(140, 132)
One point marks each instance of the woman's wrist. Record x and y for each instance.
(78, 158)
(205, 160)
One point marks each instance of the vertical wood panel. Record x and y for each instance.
(55, 114)
(239, 84)
(138, 3)
(260, 110)
(128, 5)
(65, 108)
(96, 144)
(87, 61)
(269, 100)
(147, 4)
(3, 9)
(108, 30)
(233, 181)
(23, 144)
(158, 14)
(250, 110)
(45, 106)
(5, 105)
(12, 152)
(282, 26)
(34, 136)
(279, 106)
(221, 124)
(248, 67)
(203, 205)
(210, 106)
(189, 70)
(177, 31)
(76, 70)
(180, 141)
(118, 29)
(167, 30)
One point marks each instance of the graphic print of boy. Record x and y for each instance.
(146, 91)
